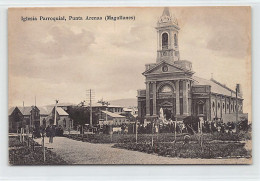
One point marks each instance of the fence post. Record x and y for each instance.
(175, 131)
(32, 142)
(152, 134)
(23, 134)
(43, 148)
(136, 131)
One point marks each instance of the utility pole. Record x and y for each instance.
(90, 98)
(136, 130)
(55, 117)
(90, 103)
(236, 109)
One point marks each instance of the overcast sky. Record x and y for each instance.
(61, 60)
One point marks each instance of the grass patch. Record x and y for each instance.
(22, 154)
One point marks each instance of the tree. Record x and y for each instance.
(81, 115)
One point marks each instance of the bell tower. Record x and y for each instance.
(167, 40)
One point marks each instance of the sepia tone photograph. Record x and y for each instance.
(129, 86)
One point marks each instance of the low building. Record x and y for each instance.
(109, 118)
(23, 117)
(33, 116)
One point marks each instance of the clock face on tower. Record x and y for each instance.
(165, 68)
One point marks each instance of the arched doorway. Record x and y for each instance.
(166, 96)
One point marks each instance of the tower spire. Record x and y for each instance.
(166, 12)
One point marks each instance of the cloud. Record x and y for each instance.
(56, 42)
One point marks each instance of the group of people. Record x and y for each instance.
(205, 127)
(49, 131)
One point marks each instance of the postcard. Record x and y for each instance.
(129, 85)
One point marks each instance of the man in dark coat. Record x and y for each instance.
(52, 133)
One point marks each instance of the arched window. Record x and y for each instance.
(165, 40)
(213, 105)
(64, 123)
(166, 89)
(218, 105)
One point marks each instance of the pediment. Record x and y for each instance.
(164, 68)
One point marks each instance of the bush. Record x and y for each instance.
(179, 149)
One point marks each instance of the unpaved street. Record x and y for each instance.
(77, 152)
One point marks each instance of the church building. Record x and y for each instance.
(172, 87)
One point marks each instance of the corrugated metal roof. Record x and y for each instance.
(215, 86)
(114, 115)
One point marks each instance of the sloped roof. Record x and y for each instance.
(216, 87)
(45, 110)
(114, 115)
(61, 104)
(26, 110)
(10, 110)
(61, 112)
(114, 106)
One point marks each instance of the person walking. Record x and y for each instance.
(52, 133)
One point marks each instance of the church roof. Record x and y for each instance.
(216, 87)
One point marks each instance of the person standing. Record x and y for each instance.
(52, 133)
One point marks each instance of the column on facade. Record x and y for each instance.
(154, 98)
(221, 111)
(139, 109)
(147, 98)
(208, 109)
(177, 83)
(185, 98)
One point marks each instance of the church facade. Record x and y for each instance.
(172, 87)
